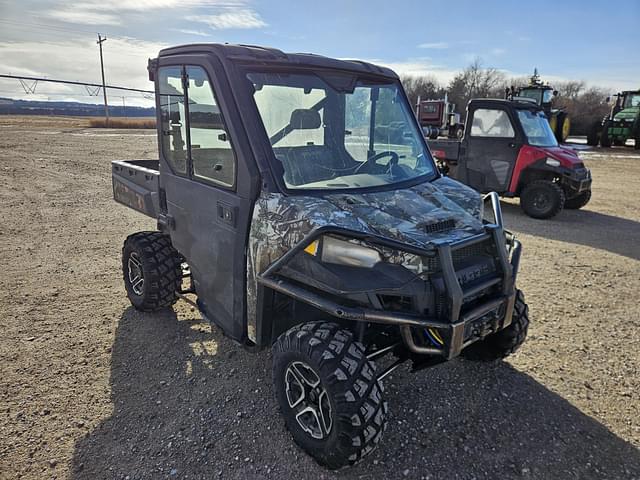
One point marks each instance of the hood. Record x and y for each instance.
(627, 114)
(566, 156)
(440, 210)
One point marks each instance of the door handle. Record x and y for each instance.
(226, 213)
(512, 145)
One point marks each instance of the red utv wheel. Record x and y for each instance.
(542, 199)
(578, 201)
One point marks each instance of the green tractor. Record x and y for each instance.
(543, 94)
(622, 123)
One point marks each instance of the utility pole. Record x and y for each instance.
(104, 88)
(124, 107)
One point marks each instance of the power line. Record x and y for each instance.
(68, 82)
(50, 27)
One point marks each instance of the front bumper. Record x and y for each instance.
(462, 324)
(577, 180)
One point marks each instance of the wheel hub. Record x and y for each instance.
(541, 201)
(136, 275)
(308, 399)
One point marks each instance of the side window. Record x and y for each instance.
(172, 118)
(491, 123)
(212, 156)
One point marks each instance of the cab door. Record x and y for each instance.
(492, 147)
(200, 205)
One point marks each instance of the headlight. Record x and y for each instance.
(342, 252)
(553, 162)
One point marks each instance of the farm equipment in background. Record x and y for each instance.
(543, 95)
(438, 117)
(622, 123)
(508, 147)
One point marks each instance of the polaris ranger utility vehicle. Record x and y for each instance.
(508, 147)
(299, 197)
(543, 94)
(622, 123)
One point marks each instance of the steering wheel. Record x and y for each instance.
(393, 161)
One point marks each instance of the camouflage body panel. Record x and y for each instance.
(280, 222)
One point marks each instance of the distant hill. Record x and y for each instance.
(37, 107)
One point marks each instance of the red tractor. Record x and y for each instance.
(508, 147)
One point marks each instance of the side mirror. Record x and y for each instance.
(555, 93)
(607, 100)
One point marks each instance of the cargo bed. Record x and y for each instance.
(445, 149)
(135, 184)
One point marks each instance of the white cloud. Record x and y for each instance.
(498, 51)
(85, 17)
(117, 12)
(152, 5)
(434, 45)
(418, 67)
(243, 18)
(187, 31)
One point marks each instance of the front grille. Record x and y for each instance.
(472, 264)
(442, 226)
(485, 248)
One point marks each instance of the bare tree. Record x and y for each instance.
(584, 105)
(475, 81)
(424, 86)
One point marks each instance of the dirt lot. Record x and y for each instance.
(92, 389)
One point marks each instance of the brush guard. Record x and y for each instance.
(459, 329)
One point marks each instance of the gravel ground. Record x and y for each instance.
(92, 389)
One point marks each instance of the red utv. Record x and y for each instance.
(508, 147)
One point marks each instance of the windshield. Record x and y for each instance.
(631, 100)
(338, 132)
(534, 93)
(537, 129)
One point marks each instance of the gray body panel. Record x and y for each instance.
(135, 184)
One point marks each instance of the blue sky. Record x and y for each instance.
(565, 40)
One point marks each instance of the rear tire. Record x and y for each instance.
(593, 137)
(563, 127)
(319, 367)
(542, 199)
(152, 270)
(578, 201)
(605, 141)
(505, 342)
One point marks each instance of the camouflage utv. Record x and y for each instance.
(297, 202)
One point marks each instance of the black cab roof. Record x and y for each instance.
(252, 54)
(517, 102)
